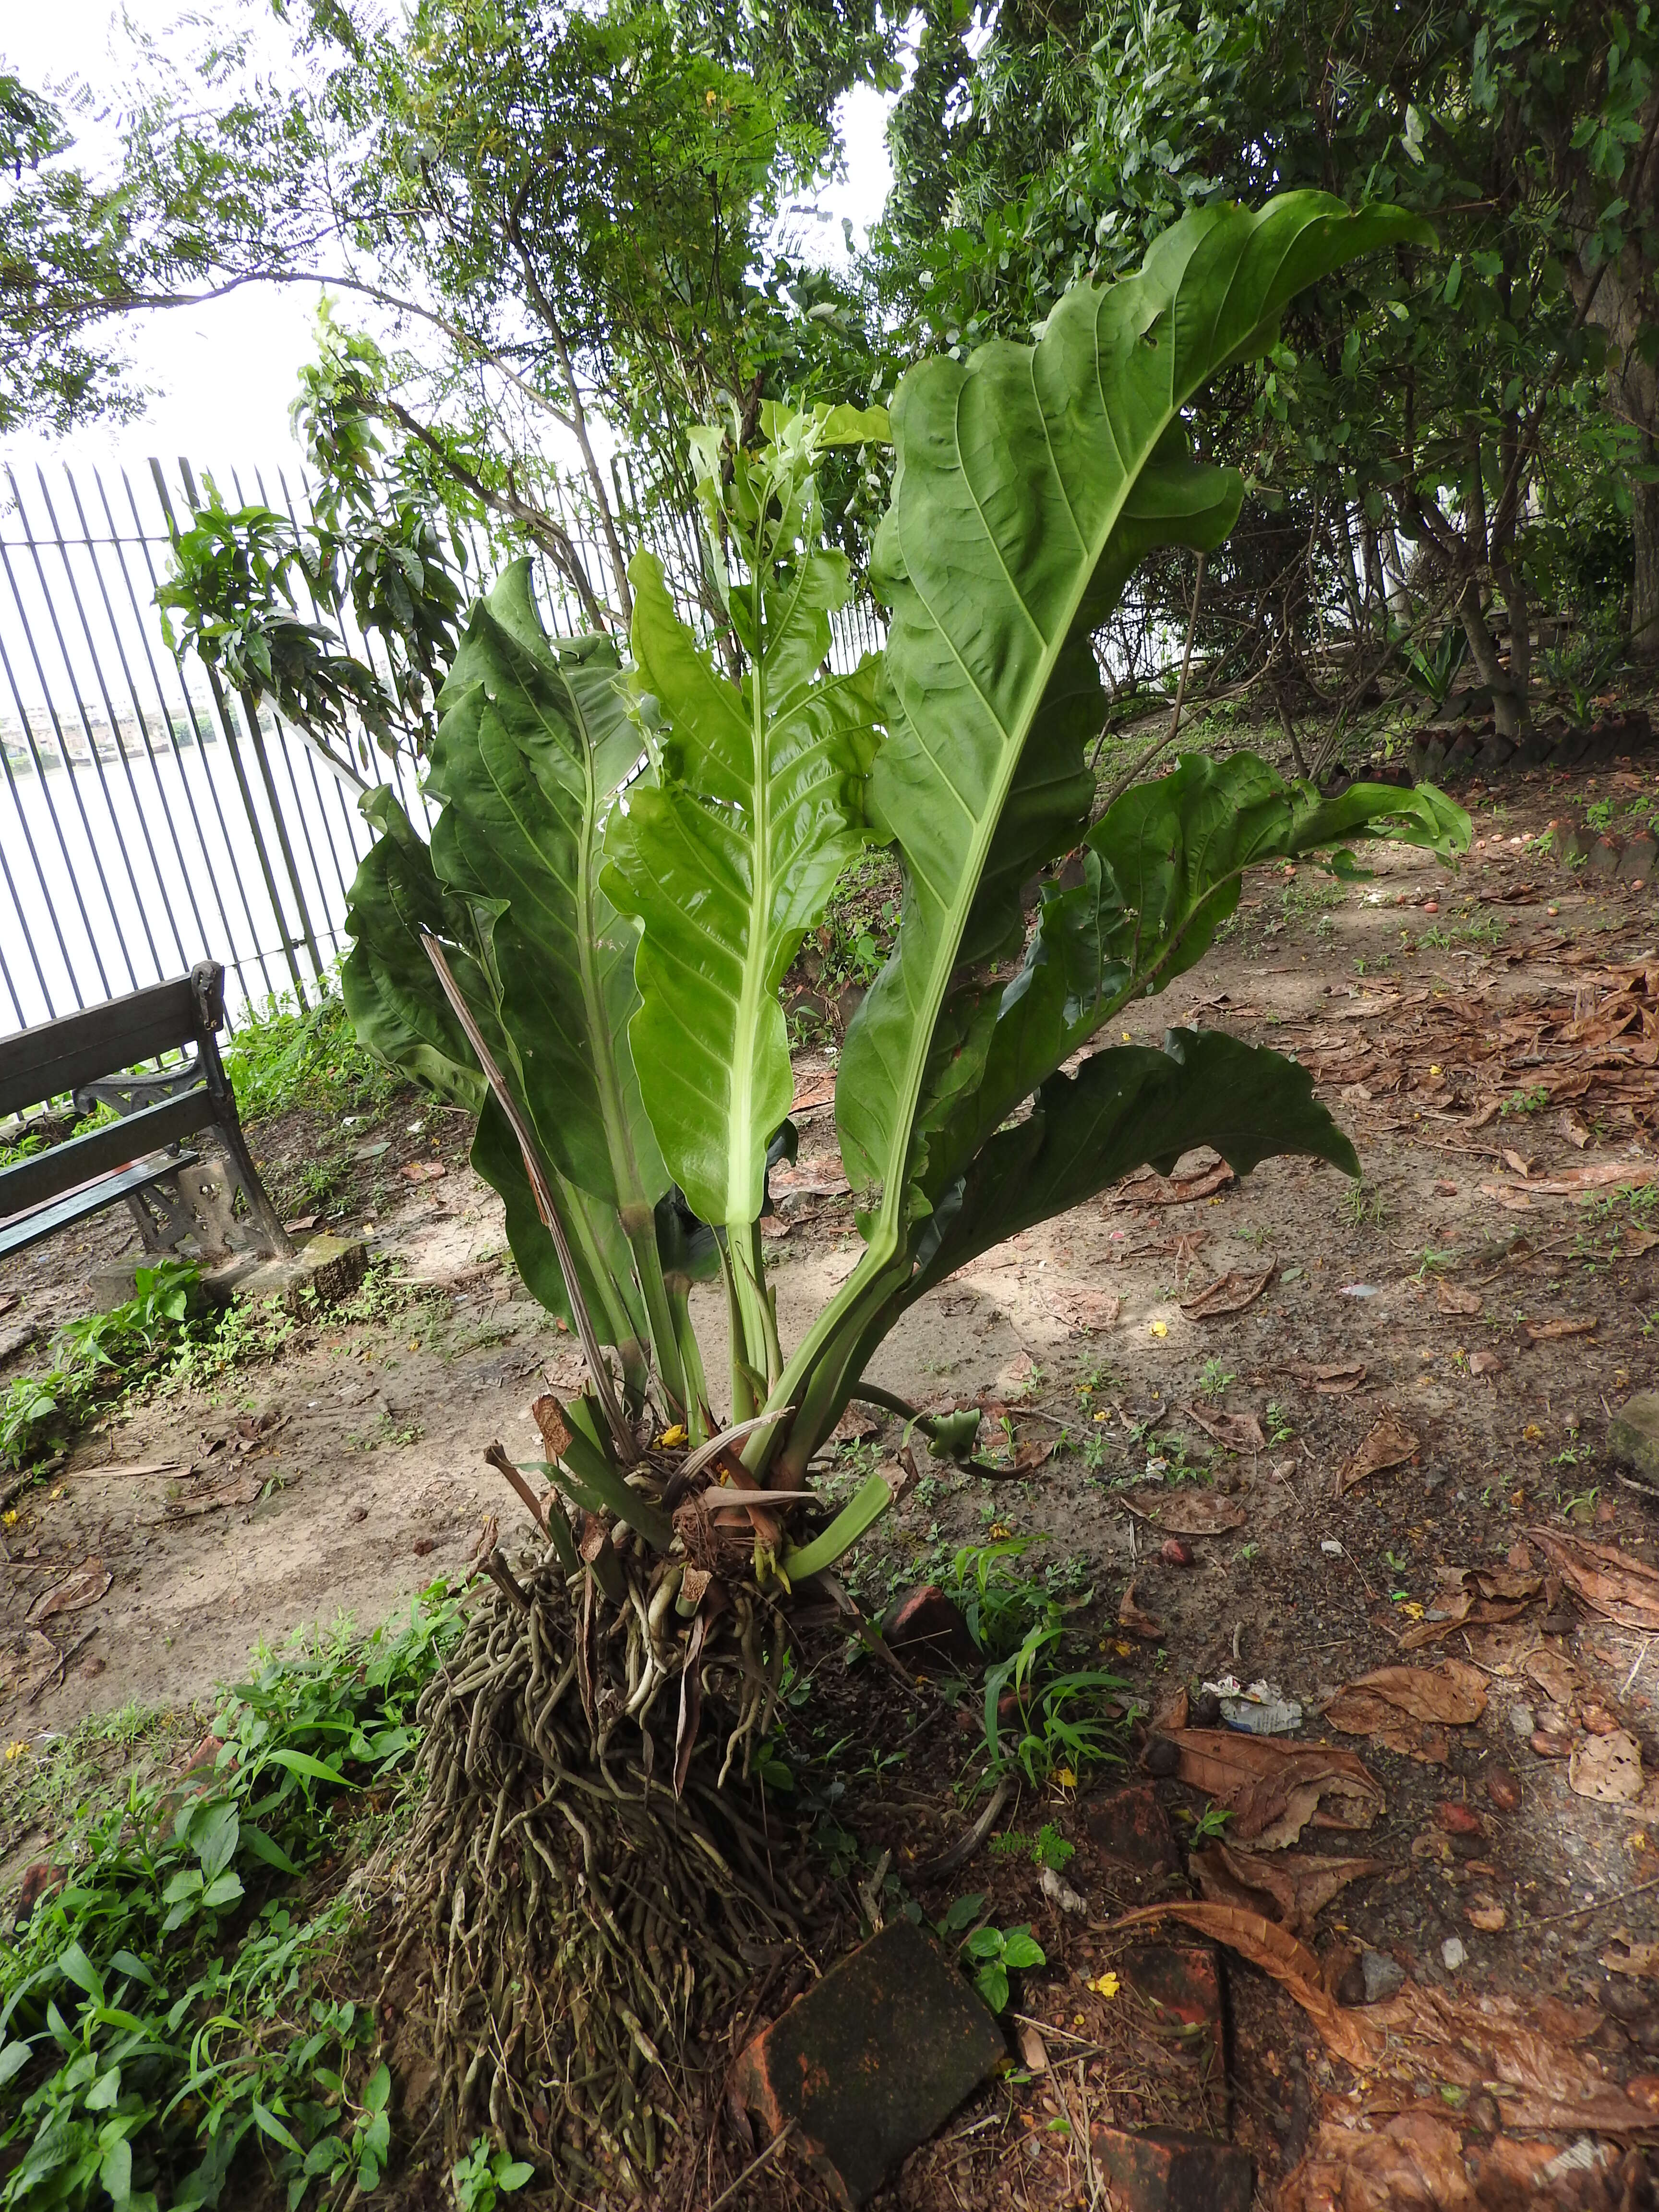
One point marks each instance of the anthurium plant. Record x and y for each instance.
(629, 852)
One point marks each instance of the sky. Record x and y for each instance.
(221, 377)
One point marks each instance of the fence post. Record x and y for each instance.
(228, 723)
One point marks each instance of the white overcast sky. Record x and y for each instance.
(221, 377)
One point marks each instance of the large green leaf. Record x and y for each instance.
(1162, 871)
(1029, 482)
(535, 742)
(731, 858)
(1126, 1106)
(394, 1000)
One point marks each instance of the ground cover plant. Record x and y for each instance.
(591, 957)
(164, 2008)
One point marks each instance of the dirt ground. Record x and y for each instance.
(1417, 1373)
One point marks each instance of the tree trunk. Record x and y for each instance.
(1644, 538)
(1508, 711)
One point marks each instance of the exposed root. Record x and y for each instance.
(587, 1932)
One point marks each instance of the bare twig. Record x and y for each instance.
(1619, 1896)
(755, 2165)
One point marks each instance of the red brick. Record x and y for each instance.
(1163, 2170)
(872, 2061)
(1132, 1824)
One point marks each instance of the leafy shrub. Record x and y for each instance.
(279, 1057)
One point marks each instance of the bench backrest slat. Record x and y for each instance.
(38, 1064)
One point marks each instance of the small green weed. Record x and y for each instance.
(486, 2173)
(993, 1954)
(92, 1359)
(1524, 1101)
(1362, 1206)
(1214, 1380)
(1047, 1848)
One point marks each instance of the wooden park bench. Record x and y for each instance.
(175, 1189)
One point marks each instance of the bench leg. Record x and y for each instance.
(257, 1198)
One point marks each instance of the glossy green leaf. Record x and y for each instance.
(534, 743)
(1126, 1107)
(1030, 482)
(859, 1514)
(1162, 871)
(731, 858)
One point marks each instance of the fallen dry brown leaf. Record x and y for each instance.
(83, 1588)
(1554, 1673)
(1186, 1511)
(1133, 1618)
(1624, 1957)
(1551, 1331)
(1596, 1175)
(812, 1091)
(423, 1171)
(1149, 1190)
(1485, 1363)
(1229, 1294)
(1388, 1443)
(1279, 1953)
(1084, 1309)
(1621, 1589)
(1334, 1380)
(232, 1490)
(1297, 1884)
(1452, 1300)
(1275, 1789)
(1606, 1768)
(1408, 1708)
(1520, 2049)
(1238, 1432)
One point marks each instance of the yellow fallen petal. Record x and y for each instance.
(1104, 1986)
(670, 1437)
(1160, 1329)
(1066, 1778)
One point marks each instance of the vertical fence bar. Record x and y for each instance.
(92, 751)
(115, 728)
(227, 947)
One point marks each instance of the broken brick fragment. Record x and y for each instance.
(1164, 2170)
(872, 2061)
(925, 1628)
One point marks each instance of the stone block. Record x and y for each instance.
(322, 1273)
(1132, 1826)
(1165, 2170)
(1638, 860)
(1633, 1435)
(926, 1629)
(871, 2061)
(1603, 858)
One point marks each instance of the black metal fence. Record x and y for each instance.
(149, 818)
